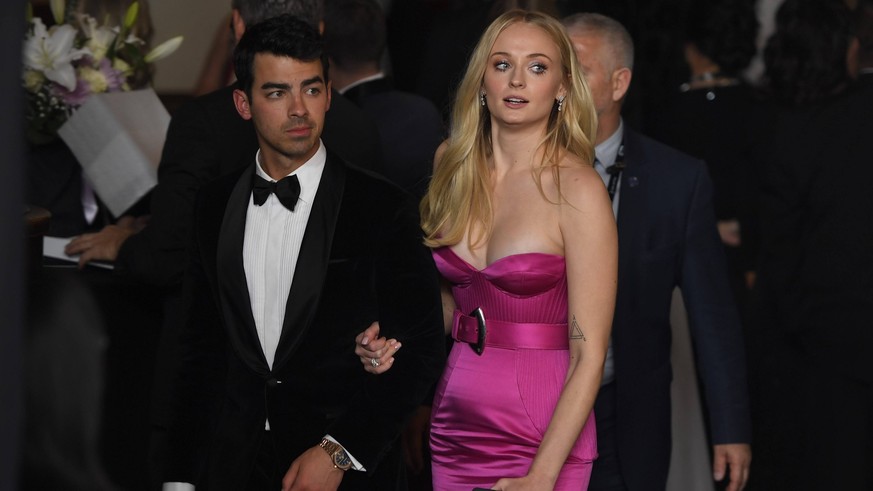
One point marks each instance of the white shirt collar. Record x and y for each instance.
(309, 173)
(361, 81)
(608, 149)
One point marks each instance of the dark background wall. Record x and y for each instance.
(11, 239)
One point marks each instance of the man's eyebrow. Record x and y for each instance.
(275, 85)
(283, 86)
(314, 80)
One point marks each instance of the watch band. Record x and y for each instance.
(337, 454)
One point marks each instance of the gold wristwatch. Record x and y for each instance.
(337, 454)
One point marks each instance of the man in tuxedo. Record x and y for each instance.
(410, 127)
(667, 238)
(206, 139)
(292, 256)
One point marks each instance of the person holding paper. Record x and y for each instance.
(292, 255)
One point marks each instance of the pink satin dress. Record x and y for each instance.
(491, 410)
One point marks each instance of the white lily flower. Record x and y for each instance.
(99, 38)
(164, 49)
(52, 52)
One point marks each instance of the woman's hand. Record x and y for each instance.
(377, 354)
(521, 484)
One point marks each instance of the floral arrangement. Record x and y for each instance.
(68, 62)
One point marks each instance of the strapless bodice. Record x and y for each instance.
(526, 287)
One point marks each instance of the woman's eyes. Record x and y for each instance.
(536, 67)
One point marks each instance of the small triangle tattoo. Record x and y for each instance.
(576, 332)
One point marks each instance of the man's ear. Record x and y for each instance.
(621, 79)
(237, 25)
(327, 88)
(241, 101)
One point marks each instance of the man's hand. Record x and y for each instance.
(729, 231)
(737, 456)
(369, 347)
(312, 471)
(103, 245)
(414, 438)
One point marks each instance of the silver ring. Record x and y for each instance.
(374, 362)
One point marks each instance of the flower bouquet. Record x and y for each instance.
(66, 63)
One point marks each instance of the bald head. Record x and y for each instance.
(616, 39)
(605, 53)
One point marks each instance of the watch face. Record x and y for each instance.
(341, 459)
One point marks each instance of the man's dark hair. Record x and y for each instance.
(255, 11)
(805, 58)
(284, 35)
(354, 32)
(725, 32)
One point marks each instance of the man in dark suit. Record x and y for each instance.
(814, 299)
(409, 125)
(667, 238)
(292, 256)
(206, 139)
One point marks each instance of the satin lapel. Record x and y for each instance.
(312, 261)
(236, 304)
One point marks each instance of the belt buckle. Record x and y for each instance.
(481, 332)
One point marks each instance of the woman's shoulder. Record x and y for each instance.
(578, 176)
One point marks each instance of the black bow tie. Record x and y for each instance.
(287, 190)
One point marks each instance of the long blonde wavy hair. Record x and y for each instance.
(460, 191)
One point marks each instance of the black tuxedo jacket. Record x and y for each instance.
(667, 238)
(207, 138)
(362, 259)
(410, 130)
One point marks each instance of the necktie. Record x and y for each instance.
(287, 190)
(614, 172)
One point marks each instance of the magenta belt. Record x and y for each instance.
(479, 332)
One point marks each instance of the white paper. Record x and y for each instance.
(117, 139)
(54, 247)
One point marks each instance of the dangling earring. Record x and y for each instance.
(482, 98)
(560, 103)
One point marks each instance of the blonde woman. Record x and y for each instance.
(523, 234)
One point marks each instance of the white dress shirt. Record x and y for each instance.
(273, 237)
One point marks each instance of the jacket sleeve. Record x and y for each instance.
(713, 320)
(190, 158)
(408, 296)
